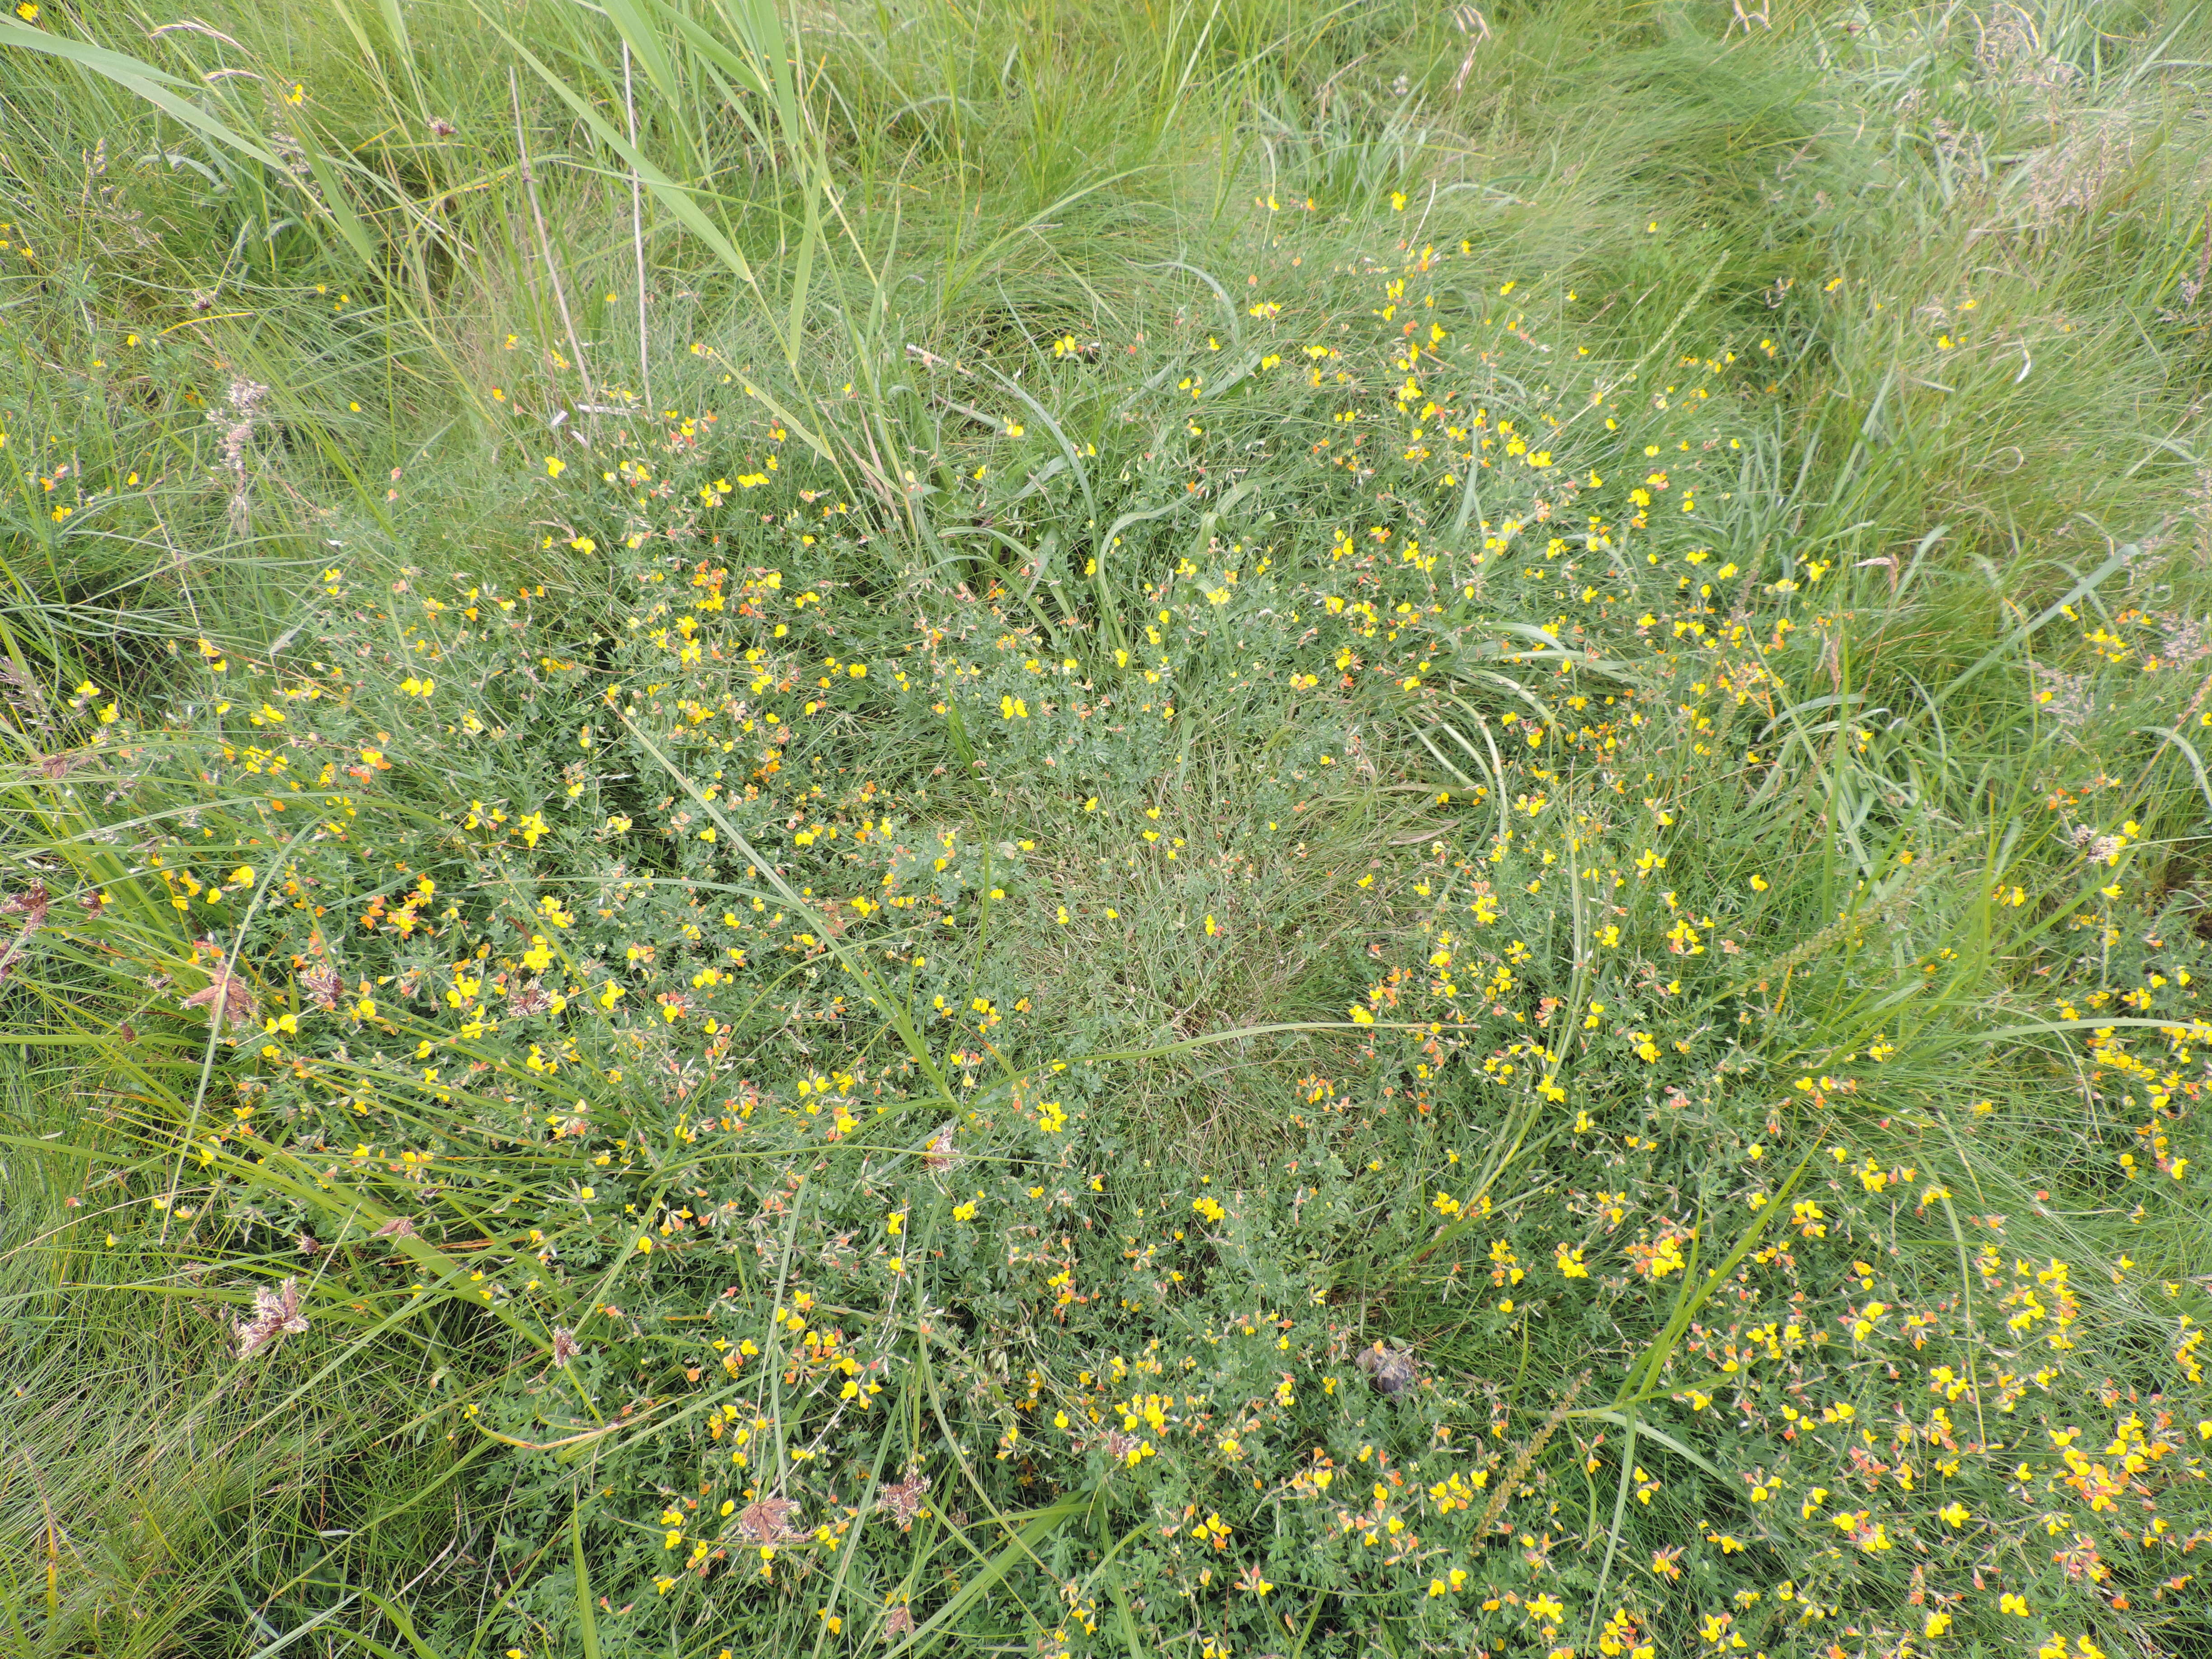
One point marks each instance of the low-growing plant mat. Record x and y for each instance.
(1233, 831)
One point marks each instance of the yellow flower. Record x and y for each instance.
(555, 466)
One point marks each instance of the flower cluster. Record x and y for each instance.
(733, 973)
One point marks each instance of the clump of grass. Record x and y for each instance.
(1205, 722)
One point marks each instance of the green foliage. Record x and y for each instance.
(1267, 869)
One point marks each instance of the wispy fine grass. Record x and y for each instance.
(1125, 981)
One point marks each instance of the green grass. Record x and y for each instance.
(901, 801)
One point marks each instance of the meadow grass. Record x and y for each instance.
(1252, 829)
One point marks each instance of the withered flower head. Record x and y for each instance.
(226, 996)
(276, 1313)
